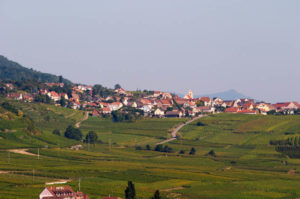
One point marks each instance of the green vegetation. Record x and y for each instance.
(241, 163)
(10, 70)
(156, 195)
(73, 133)
(91, 137)
(130, 191)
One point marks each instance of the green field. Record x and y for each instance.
(245, 166)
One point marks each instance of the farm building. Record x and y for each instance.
(63, 192)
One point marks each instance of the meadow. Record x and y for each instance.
(245, 165)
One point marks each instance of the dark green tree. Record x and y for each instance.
(200, 124)
(212, 153)
(130, 191)
(156, 195)
(91, 137)
(181, 152)
(148, 147)
(117, 86)
(73, 133)
(60, 79)
(62, 101)
(159, 148)
(193, 151)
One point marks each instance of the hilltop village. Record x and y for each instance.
(99, 101)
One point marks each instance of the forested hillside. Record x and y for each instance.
(10, 70)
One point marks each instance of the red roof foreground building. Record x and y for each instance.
(63, 192)
(232, 110)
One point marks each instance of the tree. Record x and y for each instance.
(138, 148)
(181, 152)
(159, 148)
(200, 124)
(193, 151)
(167, 149)
(60, 79)
(212, 153)
(117, 86)
(91, 137)
(73, 133)
(272, 112)
(148, 147)
(130, 191)
(156, 195)
(56, 132)
(62, 101)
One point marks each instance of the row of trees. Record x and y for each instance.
(291, 151)
(75, 134)
(165, 149)
(291, 141)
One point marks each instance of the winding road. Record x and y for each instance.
(86, 116)
(175, 131)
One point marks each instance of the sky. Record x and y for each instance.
(170, 45)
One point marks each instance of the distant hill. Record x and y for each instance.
(10, 70)
(227, 95)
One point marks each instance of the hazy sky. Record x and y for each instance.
(208, 46)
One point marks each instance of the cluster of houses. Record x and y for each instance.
(65, 192)
(153, 104)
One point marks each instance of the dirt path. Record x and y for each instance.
(22, 151)
(175, 131)
(85, 117)
(172, 189)
(62, 181)
(71, 115)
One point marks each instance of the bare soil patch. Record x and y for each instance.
(22, 151)
(172, 189)
(292, 172)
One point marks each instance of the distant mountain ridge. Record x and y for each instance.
(226, 95)
(10, 70)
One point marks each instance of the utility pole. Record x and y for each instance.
(32, 175)
(109, 144)
(38, 153)
(79, 184)
(8, 156)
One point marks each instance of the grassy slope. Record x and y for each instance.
(245, 166)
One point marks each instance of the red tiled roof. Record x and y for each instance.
(247, 111)
(232, 110)
(205, 99)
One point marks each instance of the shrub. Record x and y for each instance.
(138, 148)
(148, 147)
(56, 132)
(193, 151)
(212, 153)
(181, 152)
(159, 148)
(200, 124)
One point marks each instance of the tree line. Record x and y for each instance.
(289, 146)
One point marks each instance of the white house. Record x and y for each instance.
(159, 112)
(115, 106)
